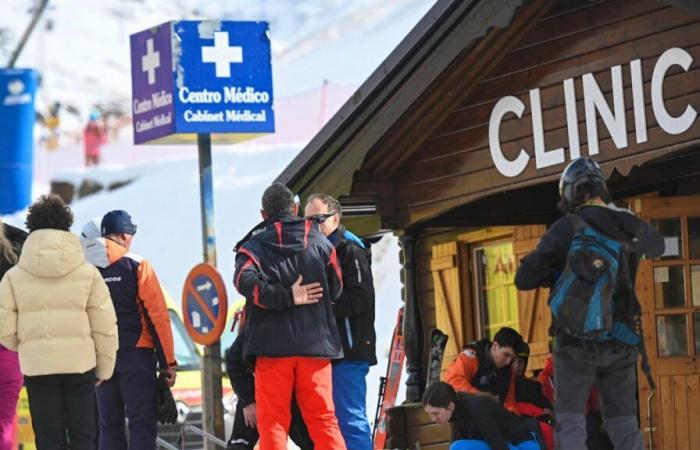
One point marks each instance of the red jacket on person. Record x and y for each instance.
(94, 137)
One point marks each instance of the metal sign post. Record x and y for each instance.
(213, 408)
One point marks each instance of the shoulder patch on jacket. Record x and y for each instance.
(135, 257)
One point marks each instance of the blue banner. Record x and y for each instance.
(17, 89)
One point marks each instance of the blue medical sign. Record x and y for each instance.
(191, 77)
(204, 304)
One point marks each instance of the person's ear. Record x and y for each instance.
(451, 406)
(264, 215)
(295, 209)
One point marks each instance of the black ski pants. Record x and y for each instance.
(63, 410)
(244, 437)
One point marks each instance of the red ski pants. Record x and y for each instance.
(310, 379)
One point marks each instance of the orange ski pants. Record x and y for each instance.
(310, 380)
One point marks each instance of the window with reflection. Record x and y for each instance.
(669, 286)
(670, 229)
(695, 284)
(694, 237)
(696, 326)
(496, 292)
(671, 335)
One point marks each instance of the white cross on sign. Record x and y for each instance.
(222, 55)
(150, 62)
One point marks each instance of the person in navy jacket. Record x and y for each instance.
(289, 273)
(354, 314)
(138, 299)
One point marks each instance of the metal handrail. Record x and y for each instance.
(650, 421)
(194, 430)
(162, 443)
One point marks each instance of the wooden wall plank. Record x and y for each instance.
(668, 438)
(680, 412)
(694, 409)
(584, 19)
(606, 57)
(428, 434)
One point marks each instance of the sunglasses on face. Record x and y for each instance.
(320, 218)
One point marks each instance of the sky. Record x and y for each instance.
(84, 59)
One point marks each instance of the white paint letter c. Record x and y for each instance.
(509, 104)
(672, 125)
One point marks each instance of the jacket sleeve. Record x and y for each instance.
(546, 377)
(460, 373)
(242, 381)
(485, 419)
(8, 315)
(151, 294)
(103, 326)
(334, 275)
(649, 241)
(528, 409)
(538, 268)
(357, 296)
(254, 285)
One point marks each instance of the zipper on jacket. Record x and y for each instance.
(348, 332)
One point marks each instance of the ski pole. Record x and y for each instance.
(382, 387)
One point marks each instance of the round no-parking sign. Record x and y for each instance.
(204, 304)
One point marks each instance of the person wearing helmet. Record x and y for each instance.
(579, 363)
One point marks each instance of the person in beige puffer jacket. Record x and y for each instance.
(56, 311)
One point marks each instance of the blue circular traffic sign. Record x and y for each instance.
(204, 304)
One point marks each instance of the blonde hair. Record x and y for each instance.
(7, 251)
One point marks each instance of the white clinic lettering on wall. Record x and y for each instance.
(595, 105)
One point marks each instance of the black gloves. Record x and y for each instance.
(166, 410)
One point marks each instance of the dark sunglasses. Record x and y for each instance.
(320, 218)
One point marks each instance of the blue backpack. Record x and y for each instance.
(581, 300)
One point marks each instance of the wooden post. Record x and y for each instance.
(413, 322)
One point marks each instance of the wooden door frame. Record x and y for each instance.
(668, 377)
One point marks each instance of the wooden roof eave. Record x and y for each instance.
(450, 28)
(305, 170)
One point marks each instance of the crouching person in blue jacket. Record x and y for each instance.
(354, 314)
(479, 421)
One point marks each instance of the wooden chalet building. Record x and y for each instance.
(456, 143)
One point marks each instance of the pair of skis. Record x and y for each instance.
(389, 385)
